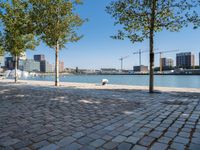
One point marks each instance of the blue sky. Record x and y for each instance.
(97, 50)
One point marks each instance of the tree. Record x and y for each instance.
(17, 32)
(1, 44)
(55, 23)
(141, 19)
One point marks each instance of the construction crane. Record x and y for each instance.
(162, 52)
(122, 60)
(140, 55)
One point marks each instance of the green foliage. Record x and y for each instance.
(55, 21)
(135, 16)
(18, 34)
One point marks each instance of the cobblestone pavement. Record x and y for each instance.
(68, 119)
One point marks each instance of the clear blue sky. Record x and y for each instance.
(97, 50)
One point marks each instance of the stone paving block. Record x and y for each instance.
(124, 146)
(6, 134)
(132, 139)
(155, 134)
(139, 147)
(119, 139)
(177, 146)
(184, 134)
(195, 140)
(55, 138)
(181, 140)
(66, 141)
(50, 147)
(40, 144)
(110, 145)
(107, 137)
(170, 134)
(25, 148)
(158, 146)
(88, 148)
(72, 146)
(146, 141)
(94, 136)
(22, 144)
(8, 141)
(97, 143)
(54, 133)
(78, 135)
(194, 146)
(164, 140)
(127, 133)
(40, 138)
(85, 140)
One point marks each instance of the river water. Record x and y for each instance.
(186, 81)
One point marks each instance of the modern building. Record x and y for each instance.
(39, 58)
(108, 70)
(2, 61)
(185, 60)
(141, 68)
(167, 62)
(29, 65)
(9, 63)
(61, 66)
(45, 66)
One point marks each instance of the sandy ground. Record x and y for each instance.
(99, 86)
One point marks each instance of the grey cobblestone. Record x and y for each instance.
(50, 147)
(97, 143)
(66, 118)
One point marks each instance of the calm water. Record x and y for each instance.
(142, 80)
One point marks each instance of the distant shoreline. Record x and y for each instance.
(95, 86)
(62, 74)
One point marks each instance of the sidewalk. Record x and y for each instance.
(46, 118)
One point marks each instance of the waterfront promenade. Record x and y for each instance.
(36, 115)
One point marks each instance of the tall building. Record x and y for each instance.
(45, 66)
(167, 62)
(141, 68)
(39, 58)
(9, 63)
(61, 66)
(29, 65)
(2, 61)
(185, 60)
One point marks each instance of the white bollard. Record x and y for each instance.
(104, 81)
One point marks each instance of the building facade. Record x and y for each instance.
(46, 67)
(140, 68)
(167, 62)
(9, 63)
(2, 61)
(29, 65)
(108, 70)
(185, 60)
(61, 66)
(39, 58)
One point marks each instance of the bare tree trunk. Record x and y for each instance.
(16, 75)
(151, 42)
(57, 65)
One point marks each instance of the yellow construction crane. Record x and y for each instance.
(122, 60)
(162, 52)
(140, 55)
